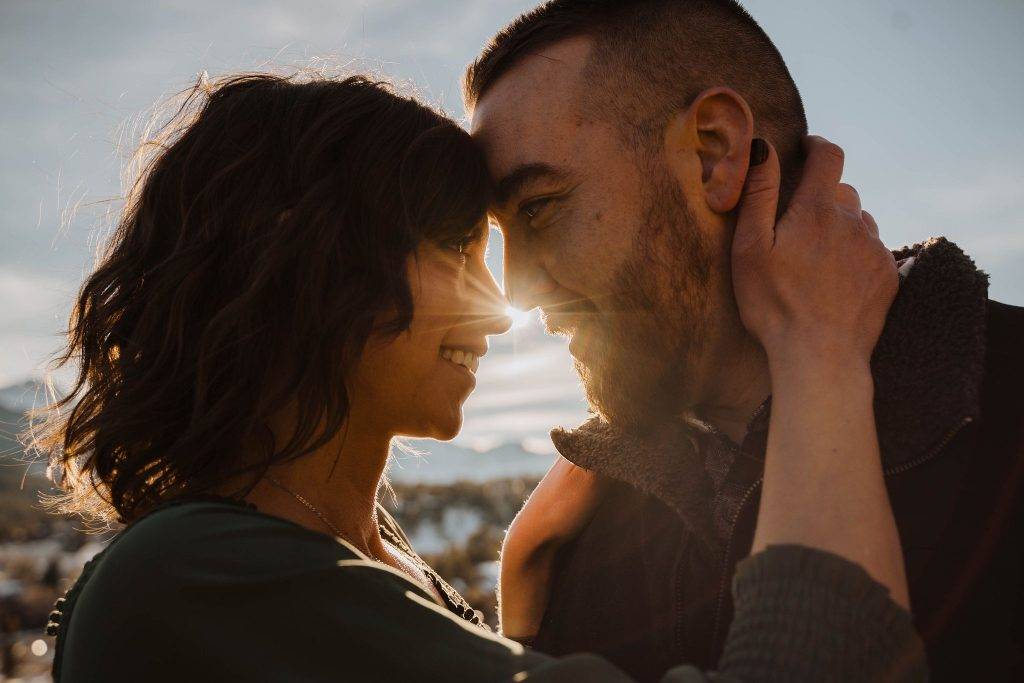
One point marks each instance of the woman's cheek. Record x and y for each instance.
(439, 289)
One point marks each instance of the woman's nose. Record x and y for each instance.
(489, 305)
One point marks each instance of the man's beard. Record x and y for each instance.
(641, 352)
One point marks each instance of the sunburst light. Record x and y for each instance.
(519, 318)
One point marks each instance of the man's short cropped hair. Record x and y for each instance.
(652, 58)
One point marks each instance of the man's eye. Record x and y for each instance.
(532, 209)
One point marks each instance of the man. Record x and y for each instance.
(619, 133)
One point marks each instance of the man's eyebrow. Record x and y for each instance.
(512, 183)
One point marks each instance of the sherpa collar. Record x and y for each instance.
(927, 367)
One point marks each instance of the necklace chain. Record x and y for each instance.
(432, 578)
(316, 511)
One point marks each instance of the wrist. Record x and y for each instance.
(808, 371)
(817, 354)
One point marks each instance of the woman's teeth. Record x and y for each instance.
(468, 360)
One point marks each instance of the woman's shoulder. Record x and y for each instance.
(189, 556)
(217, 591)
(203, 542)
(203, 572)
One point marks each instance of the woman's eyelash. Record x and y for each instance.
(459, 244)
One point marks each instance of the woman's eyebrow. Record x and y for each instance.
(513, 183)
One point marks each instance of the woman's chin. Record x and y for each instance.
(439, 428)
(448, 432)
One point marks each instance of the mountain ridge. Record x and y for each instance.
(433, 462)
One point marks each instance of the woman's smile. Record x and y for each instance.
(464, 363)
(466, 359)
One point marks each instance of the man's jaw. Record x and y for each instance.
(567, 317)
(560, 325)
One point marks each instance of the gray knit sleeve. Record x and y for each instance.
(801, 615)
(804, 614)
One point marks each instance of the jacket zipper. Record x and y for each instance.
(899, 469)
(938, 448)
(728, 553)
(680, 626)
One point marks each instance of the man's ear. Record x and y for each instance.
(716, 130)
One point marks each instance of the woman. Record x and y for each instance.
(298, 278)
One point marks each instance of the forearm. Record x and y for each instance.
(823, 484)
(555, 513)
(524, 585)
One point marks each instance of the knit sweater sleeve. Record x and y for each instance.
(804, 614)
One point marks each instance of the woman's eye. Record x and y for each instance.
(459, 245)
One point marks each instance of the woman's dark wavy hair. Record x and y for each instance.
(259, 250)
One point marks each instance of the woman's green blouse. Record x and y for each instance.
(214, 591)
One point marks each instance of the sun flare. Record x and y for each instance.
(519, 318)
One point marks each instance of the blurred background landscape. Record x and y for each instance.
(924, 95)
(453, 502)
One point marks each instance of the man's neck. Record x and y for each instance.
(738, 383)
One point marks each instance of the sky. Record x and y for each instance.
(925, 96)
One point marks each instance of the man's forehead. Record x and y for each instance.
(532, 108)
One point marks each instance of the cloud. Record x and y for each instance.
(33, 297)
(35, 308)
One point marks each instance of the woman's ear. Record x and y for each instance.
(716, 130)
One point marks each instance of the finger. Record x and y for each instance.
(755, 222)
(823, 167)
(848, 199)
(869, 221)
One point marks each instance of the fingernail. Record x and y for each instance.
(758, 151)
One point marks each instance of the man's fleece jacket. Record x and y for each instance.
(646, 584)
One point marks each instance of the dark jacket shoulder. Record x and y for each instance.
(1006, 334)
(205, 541)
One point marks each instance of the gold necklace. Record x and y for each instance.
(323, 518)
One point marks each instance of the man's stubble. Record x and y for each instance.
(655, 330)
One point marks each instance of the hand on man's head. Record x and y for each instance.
(820, 279)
